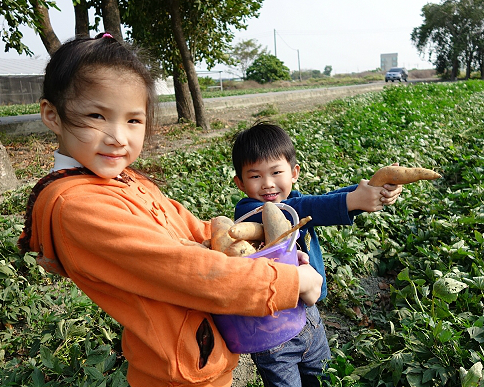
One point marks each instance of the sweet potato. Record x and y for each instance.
(221, 240)
(301, 223)
(274, 221)
(401, 175)
(240, 248)
(220, 221)
(248, 231)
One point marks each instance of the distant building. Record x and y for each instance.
(387, 61)
(21, 80)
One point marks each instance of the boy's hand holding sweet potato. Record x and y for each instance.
(385, 186)
(371, 199)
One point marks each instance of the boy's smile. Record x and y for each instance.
(268, 180)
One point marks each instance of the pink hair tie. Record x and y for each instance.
(107, 35)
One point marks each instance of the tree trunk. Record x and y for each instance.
(455, 70)
(82, 18)
(184, 105)
(47, 35)
(469, 59)
(468, 70)
(176, 22)
(8, 180)
(111, 18)
(481, 65)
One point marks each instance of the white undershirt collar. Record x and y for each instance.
(64, 162)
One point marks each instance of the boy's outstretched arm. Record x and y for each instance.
(370, 199)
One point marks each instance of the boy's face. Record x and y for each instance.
(268, 181)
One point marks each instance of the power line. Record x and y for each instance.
(284, 41)
(295, 49)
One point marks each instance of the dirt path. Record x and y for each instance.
(223, 120)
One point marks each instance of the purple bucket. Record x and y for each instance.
(246, 334)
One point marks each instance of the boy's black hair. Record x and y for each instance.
(263, 141)
(69, 72)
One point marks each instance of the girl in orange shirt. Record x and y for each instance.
(111, 230)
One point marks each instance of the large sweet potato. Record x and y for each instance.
(401, 175)
(274, 221)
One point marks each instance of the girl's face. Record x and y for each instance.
(112, 117)
(268, 181)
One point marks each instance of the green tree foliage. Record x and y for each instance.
(268, 68)
(452, 35)
(244, 53)
(327, 70)
(208, 27)
(17, 13)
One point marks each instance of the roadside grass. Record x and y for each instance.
(19, 110)
(431, 243)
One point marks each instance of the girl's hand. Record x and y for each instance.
(302, 257)
(310, 282)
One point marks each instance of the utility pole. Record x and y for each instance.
(299, 65)
(275, 48)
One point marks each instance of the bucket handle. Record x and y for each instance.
(295, 220)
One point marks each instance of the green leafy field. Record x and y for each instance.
(430, 242)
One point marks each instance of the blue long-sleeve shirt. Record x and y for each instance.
(328, 209)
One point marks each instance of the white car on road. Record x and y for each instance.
(396, 74)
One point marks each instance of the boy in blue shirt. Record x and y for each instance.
(265, 164)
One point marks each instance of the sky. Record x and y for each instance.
(349, 35)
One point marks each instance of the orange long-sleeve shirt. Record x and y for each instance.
(120, 243)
